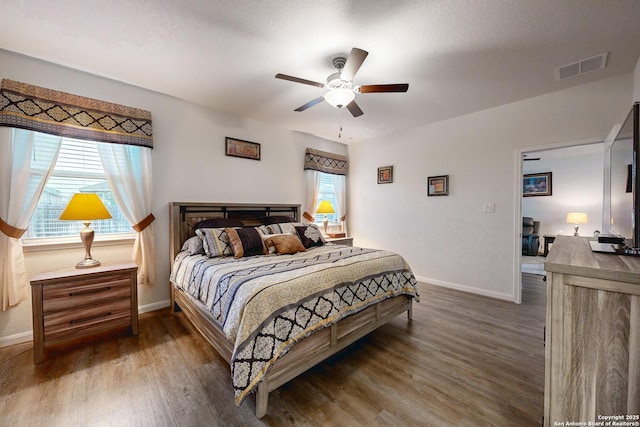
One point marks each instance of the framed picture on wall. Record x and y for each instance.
(385, 175)
(536, 184)
(239, 148)
(438, 185)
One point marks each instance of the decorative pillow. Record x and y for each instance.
(276, 219)
(285, 243)
(215, 242)
(246, 242)
(310, 235)
(284, 227)
(218, 223)
(265, 237)
(193, 245)
(263, 229)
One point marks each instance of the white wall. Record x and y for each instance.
(577, 185)
(449, 240)
(188, 165)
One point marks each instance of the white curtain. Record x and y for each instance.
(128, 170)
(313, 185)
(340, 187)
(23, 175)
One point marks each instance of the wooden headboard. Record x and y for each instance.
(184, 215)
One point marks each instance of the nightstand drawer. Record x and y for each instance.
(73, 304)
(81, 292)
(89, 319)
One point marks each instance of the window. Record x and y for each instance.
(326, 192)
(77, 170)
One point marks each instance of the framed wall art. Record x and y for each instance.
(239, 148)
(385, 175)
(438, 185)
(536, 184)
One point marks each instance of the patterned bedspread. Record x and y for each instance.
(265, 304)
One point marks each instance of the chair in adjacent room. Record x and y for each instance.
(530, 237)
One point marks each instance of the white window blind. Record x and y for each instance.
(77, 170)
(326, 192)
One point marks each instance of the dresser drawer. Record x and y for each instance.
(76, 293)
(69, 324)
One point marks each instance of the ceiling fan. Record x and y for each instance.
(342, 91)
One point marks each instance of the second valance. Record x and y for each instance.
(325, 162)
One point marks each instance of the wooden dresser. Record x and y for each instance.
(75, 303)
(592, 354)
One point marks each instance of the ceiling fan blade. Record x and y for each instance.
(298, 80)
(401, 87)
(310, 104)
(354, 109)
(354, 61)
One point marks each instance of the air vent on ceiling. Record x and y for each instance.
(586, 65)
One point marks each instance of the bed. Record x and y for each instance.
(274, 312)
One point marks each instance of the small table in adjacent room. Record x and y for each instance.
(548, 240)
(75, 303)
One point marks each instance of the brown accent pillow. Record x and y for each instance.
(245, 242)
(285, 244)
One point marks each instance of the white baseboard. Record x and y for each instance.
(16, 339)
(28, 336)
(153, 306)
(465, 288)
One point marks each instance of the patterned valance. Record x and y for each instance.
(325, 162)
(58, 113)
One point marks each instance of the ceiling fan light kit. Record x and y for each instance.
(339, 98)
(342, 92)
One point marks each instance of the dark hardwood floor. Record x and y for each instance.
(464, 360)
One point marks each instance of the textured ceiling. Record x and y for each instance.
(458, 56)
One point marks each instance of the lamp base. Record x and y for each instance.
(86, 235)
(88, 263)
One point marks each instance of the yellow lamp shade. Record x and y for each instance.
(325, 208)
(85, 207)
(576, 218)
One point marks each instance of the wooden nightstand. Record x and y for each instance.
(71, 304)
(348, 241)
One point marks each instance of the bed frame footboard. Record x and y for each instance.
(305, 354)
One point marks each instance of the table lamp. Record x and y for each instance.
(576, 218)
(325, 208)
(85, 207)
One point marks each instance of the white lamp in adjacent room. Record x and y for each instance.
(576, 218)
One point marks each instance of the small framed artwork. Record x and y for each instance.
(438, 185)
(385, 175)
(536, 184)
(239, 148)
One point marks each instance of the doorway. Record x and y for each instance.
(575, 172)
